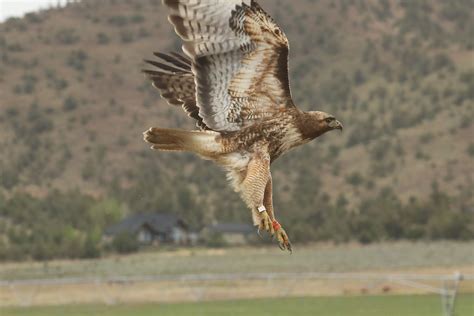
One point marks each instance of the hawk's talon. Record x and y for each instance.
(265, 224)
(283, 240)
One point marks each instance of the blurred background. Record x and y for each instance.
(90, 215)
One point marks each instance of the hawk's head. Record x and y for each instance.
(315, 123)
(328, 122)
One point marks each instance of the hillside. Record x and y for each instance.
(399, 75)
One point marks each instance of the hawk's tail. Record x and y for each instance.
(202, 143)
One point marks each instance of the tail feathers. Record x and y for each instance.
(203, 143)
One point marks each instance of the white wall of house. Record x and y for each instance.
(145, 236)
(179, 235)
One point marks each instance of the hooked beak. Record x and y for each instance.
(337, 125)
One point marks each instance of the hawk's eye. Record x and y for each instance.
(277, 32)
(329, 119)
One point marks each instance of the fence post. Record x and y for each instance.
(449, 293)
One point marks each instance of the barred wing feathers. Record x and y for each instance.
(239, 60)
(175, 81)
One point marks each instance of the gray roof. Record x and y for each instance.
(232, 228)
(157, 222)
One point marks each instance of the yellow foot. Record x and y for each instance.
(282, 237)
(265, 223)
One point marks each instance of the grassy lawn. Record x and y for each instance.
(336, 306)
(320, 258)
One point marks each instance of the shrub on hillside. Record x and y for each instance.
(38, 121)
(77, 59)
(70, 104)
(355, 179)
(118, 20)
(102, 38)
(470, 149)
(126, 36)
(67, 37)
(27, 86)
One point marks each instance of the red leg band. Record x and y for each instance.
(276, 225)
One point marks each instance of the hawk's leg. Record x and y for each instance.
(253, 187)
(283, 240)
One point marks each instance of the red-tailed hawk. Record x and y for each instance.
(234, 83)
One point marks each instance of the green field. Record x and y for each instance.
(337, 306)
(311, 258)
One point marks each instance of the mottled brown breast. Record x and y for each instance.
(279, 132)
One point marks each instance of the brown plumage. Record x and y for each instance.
(234, 82)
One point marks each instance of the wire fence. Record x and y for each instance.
(244, 276)
(206, 287)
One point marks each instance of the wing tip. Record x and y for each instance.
(176, 60)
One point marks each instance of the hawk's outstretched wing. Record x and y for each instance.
(239, 60)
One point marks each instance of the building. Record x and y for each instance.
(152, 228)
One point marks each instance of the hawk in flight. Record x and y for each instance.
(233, 80)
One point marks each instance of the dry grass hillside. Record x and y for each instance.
(398, 74)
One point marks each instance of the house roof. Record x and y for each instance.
(157, 222)
(232, 228)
